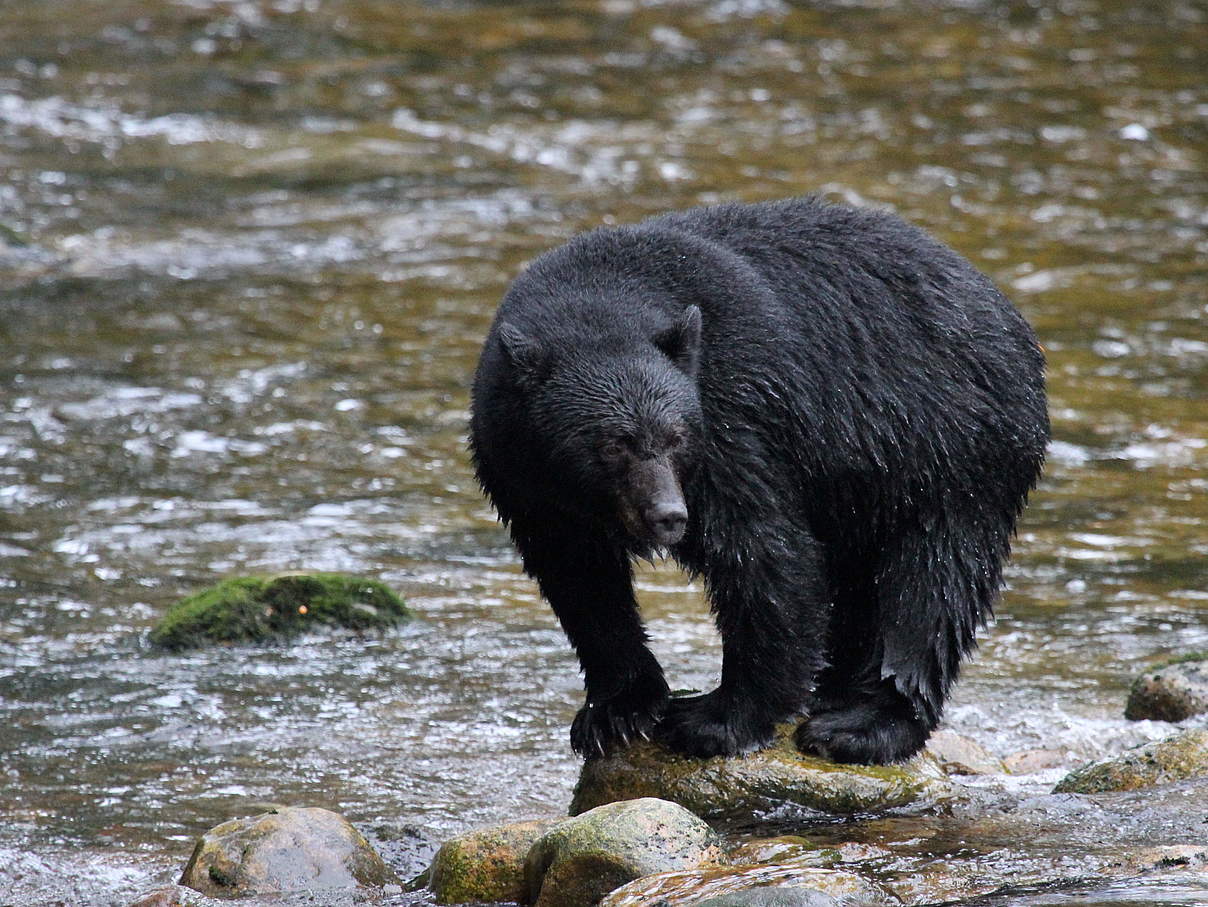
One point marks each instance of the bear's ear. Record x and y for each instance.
(524, 353)
(681, 341)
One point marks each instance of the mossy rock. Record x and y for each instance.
(1176, 758)
(486, 864)
(259, 608)
(742, 788)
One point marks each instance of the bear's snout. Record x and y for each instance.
(666, 521)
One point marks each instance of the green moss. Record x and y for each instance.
(257, 608)
(1178, 660)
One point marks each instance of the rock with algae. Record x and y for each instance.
(740, 788)
(580, 860)
(289, 849)
(485, 865)
(1176, 758)
(256, 608)
(1170, 691)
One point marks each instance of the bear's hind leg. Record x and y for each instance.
(930, 590)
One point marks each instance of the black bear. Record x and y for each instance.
(826, 414)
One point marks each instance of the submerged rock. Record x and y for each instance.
(1176, 758)
(772, 897)
(810, 885)
(486, 864)
(741, 787)
(1170, 691)
(580, 860)
(289, 849)
(255, 608)
(960, 755)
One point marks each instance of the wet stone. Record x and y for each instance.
(290, 849)
(1176, 758)
(1170, 692)
(771, 897)
(486, 864)
(580, 860)
(818, 885)
(740, 788)
(960, 755)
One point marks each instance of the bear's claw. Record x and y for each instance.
(604, 727)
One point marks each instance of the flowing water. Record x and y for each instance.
(248, 251)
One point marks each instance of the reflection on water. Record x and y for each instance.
(249, 250)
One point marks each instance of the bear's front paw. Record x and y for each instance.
(712, 724)
(605, 726)
(864, 733)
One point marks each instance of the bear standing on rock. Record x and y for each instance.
(828, 415)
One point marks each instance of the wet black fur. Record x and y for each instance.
(859, 426)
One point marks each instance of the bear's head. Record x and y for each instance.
(617, 422)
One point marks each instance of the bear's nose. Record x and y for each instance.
(668, 521)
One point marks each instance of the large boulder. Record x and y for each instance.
(580, 860)
(1176, 758)
(1170, 691)
(739, 787)
(486, 864)
(256, 608)
(288, 849)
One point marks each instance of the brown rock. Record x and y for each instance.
(959, 755)
(1170, 692)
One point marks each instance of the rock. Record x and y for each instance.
(771, 897)
(1028, 761)
(958, 755)
(285, 850)
(1170, 691)
(486, 864)
(823, 886)
(580, 860)
(1176, 758)
(738, 787)
(254, 608)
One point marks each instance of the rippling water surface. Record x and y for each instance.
(248, 251)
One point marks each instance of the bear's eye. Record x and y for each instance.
(612, 450)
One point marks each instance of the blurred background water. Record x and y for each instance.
(248, 251)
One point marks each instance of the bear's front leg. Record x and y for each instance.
(771, 606)
(589, 584)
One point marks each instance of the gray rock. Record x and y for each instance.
(289, 849)
(740, 787)
(1176, 758)
(1171, 691)
(580, 860)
